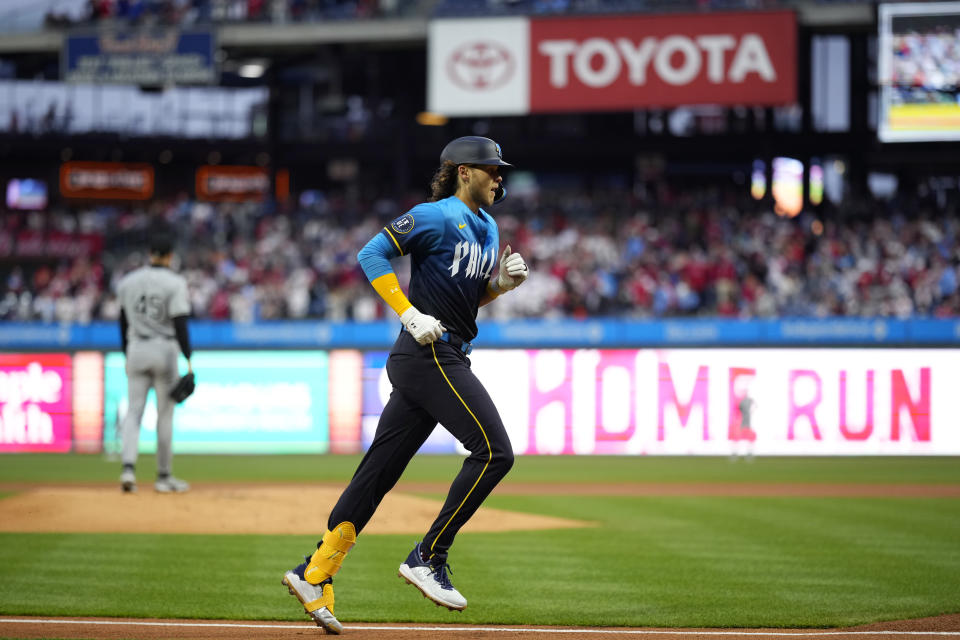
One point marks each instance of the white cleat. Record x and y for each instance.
(171, 485)
(432, 580)
(128, 481)
(309, 595)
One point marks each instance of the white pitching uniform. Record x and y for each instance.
(151, 297)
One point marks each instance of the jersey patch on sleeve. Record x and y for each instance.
(403, 224)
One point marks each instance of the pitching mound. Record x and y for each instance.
(224, 509)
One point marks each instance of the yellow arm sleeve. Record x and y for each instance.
(389, 289)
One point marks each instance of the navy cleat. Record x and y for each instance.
(432, 578)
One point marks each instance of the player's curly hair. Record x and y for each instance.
(444, 182)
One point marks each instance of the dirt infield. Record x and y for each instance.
(231, 509)
(114, 628)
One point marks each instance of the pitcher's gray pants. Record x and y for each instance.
(150, 363)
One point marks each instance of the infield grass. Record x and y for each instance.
(651, 561)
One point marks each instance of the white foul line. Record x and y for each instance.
(674, 632)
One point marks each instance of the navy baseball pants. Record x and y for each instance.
(431, 384)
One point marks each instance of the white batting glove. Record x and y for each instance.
(424, 328)
(513, 270)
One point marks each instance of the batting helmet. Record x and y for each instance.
(473, 150)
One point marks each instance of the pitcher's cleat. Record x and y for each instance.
(317, 599)
(128, 481)
(430, 577)
(169, 484)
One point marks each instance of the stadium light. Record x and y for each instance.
(430, 119)
(252, 70)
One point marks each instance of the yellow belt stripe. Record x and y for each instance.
(394, 240)
(489, 450)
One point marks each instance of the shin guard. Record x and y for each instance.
(326, 561)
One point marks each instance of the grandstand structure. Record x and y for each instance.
(716, 198)
(345, 90)
(277, 129)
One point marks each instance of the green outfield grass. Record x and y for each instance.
(53, 468)
(657, 561)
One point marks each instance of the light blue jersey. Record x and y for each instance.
(454, 252)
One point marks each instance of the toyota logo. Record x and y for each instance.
(481, 66)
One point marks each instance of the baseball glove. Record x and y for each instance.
(184, 388)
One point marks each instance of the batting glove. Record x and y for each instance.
(513, 270)
(424, 328)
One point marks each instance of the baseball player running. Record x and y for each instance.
(154, 310)
(456, 268)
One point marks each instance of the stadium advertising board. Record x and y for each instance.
(111, 180)
(147, 57)
(687, 402)
(346, 377)
(245, 402)
(36, 402)
(27, 194)
(215, 182)
(919, 71)
(87, 401)
(522, 65)
(30, 243)
(376, 391)
(517, 333)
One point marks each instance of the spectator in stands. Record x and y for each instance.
(681, 253)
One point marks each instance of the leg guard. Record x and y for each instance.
(328, 558)
(317, 600)
(326, 600)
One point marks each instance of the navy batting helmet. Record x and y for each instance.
(473, 150)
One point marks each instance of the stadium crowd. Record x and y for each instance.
(926, 66)
(65, 13)
(189, 12)
(610, 253)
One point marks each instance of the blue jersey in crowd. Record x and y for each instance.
(453, 252)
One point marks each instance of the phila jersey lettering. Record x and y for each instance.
(151, 297)
(453, 253)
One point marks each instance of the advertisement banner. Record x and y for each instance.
(346, 401)
(515, 66)
(663, 61)
(245, 402)
(711, 402)
(51, 244)
(112, 180)
(237, 183)
(376, 392)
(87, 402)
(518, 334)
(479, 66)
(148, 57)
(36, 402)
